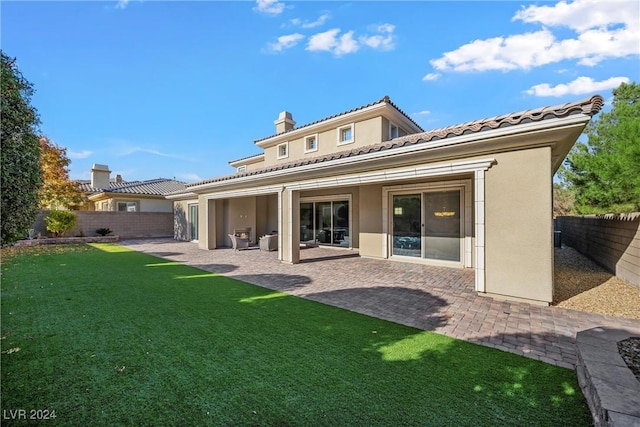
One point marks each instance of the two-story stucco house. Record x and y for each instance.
(476, 195)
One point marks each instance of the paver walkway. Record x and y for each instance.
(430, 298)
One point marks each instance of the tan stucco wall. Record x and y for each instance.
(266, 214)
(144, 205)
(290, 227)
(181, 218)
(370, 219)
(366, 132)
(241, 214)
(519, 225)
(150, 205)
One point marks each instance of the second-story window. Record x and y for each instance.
(345, 134)
(241, 169)
(283, 150)
(311, 143)
(394, 130)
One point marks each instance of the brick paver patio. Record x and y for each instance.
(431, 298)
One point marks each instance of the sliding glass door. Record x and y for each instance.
(407, 218)
(442, 225)
(325, 223)
(427, 225)
(193, 222)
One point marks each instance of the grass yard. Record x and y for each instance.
(106, 336)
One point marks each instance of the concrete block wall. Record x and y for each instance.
(127, 225)
(611, 240)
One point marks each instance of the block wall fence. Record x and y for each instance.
(611, 240)
(127, 225)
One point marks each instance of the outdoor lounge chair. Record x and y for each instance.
(238, 243)
(269, 242)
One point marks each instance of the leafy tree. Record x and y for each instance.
(19, 154)
(57, 190)
(604, 173)
(562, 200)
(60, 222)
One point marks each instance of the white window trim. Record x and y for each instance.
(286, 145)
(306, 146)
(391, 126)
(127, 203)
(353, 135)
(241, 169)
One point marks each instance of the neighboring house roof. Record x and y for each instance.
(152, 187)
(386, 100)
(589, 106)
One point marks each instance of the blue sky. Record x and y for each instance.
(178, 89)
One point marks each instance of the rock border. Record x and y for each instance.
(610, 387)
(67, 240)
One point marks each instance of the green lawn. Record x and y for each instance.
(107, 336)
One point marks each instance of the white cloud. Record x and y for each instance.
(423, 113)
(346, 44)
(122, 4)
(604, 30)
(582, 15)
(79, 154)
(121, 147)
(579, 86)
(189, 177)
(325, 41)
(285, 42)
(269, 7)
(342, 44)
(318, 22)
(133, 150)
(384, 40)
(430, 77)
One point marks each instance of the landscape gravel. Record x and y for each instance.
(581, 284)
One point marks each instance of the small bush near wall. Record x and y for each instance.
(60, 222)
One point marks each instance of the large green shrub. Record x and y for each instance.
(60, 222)
(20, 154)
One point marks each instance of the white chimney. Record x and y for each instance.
(100, 176)
(284, 123)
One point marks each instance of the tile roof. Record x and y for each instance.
(589, 106)
(153, 187)
(386, 99)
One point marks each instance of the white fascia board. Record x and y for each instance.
(473, 138)
(181, 196)
(391, 175)
(95, 196)
(247, 160)
(245, 192)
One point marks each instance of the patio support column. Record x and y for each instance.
(206, 217)
(479, 227)
(210, 229)
(290, 226)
